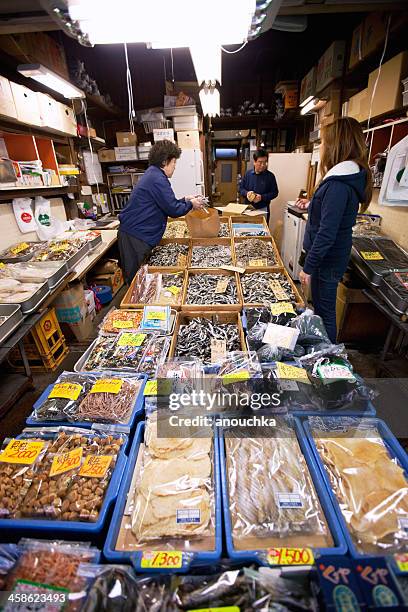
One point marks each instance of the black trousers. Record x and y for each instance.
(133, 253)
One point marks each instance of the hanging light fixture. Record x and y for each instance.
(50, 79)
(210, 101)
(207, 63)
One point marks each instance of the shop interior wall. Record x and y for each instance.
(394, 220)
(10, 232)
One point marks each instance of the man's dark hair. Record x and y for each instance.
(162, 152)
(260, 153)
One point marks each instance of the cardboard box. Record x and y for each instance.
(68, 119)
(126, 139)
(84, 328)
(125, 153)
(356, 49)
(106, 155)
(50, 112)
(308, 85)
(289, 91)
(7, 106)
(26, 103)
(108, 273)
(163, 134)
(388, 95)
(358, 106)
(188, 140)
(330, 65)
(71, 305)
(374, 29)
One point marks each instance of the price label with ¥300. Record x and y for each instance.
(21, 451)
(162, 559)
(290, 556)
(65, 462)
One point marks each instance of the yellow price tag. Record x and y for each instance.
(401, 559)
(19, 248)
(129, 339)
(2, 265)
(150, 388)
(291, 372)
(156, 315)
(162, 559)
(95, 466)
(371, 255)
(122, 323)
(233, 377)
(173, 289)
(21, 451)
(66, 391)
(258, 262)
(65, 462)
(223, 609)
(281, 308)
(107, 385)
(290, 556)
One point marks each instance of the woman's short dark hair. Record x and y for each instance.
(162, 152)
(260, 153)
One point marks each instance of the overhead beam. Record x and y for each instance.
(22, 25)
(363, 7)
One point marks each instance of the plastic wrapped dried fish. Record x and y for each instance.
(248, 251)
(194, 339)
(266, 288)
(103, 346)
(211, 256)
(167, 255)
(211, 289)
(154, 354)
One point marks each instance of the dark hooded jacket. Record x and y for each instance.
(332, 214)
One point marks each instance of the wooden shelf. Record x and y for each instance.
(7, 195)
(82, 141)
(96, 106)
(7, 124)
(254, 121)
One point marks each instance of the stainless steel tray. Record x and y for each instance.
(31, 305)
(80, 254)
(60, 273)
(79, 366)
(95, 242)
(180, 111)
(17, 258)
(14, 320)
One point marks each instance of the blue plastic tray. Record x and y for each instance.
(259, 556)
(195, 559)
(138, 409)
(80, 529)
(396, 451)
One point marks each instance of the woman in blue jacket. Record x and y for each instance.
(152, 201)
(332, 213)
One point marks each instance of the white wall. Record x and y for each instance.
(394, 220)
(9, 231)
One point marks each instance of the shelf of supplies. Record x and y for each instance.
(8, 194)
(84, 142)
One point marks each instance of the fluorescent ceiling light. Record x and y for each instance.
(207, 63)
(50, 79)
(210, 101)
(314, 105)
(306, 101)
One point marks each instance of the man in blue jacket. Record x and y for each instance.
(143, 221)
(259, 186)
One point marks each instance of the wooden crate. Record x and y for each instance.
(245, 219)
(185, 317)
(279, 265)
(186, 241)
(209, 242)
(299, 299)
(126, 303)
(212, 307)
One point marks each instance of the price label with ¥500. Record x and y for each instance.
(65, 462)
(95, 466)
(162, 559)
(290, 556)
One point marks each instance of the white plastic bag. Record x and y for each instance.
(24, 215)
(42, 212)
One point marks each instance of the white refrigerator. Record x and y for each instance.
(188, 177)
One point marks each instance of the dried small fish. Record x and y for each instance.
(257, 288)
(224, 230)
(254, 248)
(194, 339)
(176, 229)
(202, 289)
(167, 255)
(211, 256)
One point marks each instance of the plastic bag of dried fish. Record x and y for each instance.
(171, 289)
(211, 256)
(127, 351)
(257, 320)
(103, 346)
(118, 320)
(68, 390)
(271, 492)
(155, 353)
(112, 399)
(267, 288)
(293, 385)
(176, 375)
(194, 338)
(169, 255)
(255, 252)
(239, 367)
(145, 287)
(211, 289)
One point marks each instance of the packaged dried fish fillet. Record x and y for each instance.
(29, 272)
(154, 354)
(118, 320)
(271, 493)
(103, 346)
(67, 392)
(110, 400)
(145, 287)
(370, 485)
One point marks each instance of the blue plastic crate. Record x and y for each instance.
(197, 559)
(138, 410)
(396, 451)
(259, 556)
(49, 528)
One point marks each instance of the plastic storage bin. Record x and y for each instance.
(260, 556)
(191, 560)
(395, 450)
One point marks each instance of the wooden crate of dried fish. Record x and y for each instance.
(176, 228)
(168, 289)
(225, 228)
(263, 287)
(170, 254)
(216, 290)
(243, 225)
(194, 332)
(256, 252)
(211, 252)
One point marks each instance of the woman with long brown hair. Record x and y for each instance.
(345, 185)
